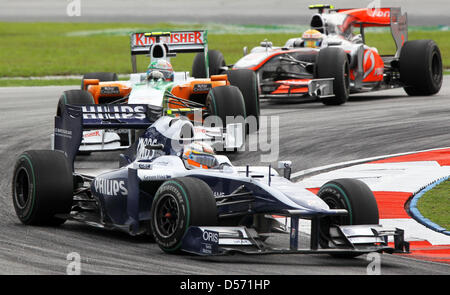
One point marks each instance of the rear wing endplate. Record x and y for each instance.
(399, 28)
(381, 17)
(74, 119)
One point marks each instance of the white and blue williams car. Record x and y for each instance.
(189, 198)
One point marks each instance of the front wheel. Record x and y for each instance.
(223, 102)
(178, 204)
(74, 97)
(332, 62)
(352, 195)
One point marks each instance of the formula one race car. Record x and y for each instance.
(188, 198)
(176, 92)
(329, 62)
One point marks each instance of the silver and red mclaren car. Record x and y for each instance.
(339, 62)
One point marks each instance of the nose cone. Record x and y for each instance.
(308, 200)
(300, 196)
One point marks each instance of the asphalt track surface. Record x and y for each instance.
(311, 135)
(420, 13)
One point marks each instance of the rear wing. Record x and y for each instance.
(379, 17)
(74, 119)
(175, 41)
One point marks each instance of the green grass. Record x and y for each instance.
(39, 49)
(385, 44)
(49, 48)
(36, 82)
(435, 205)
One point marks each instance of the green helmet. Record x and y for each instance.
(160, 69)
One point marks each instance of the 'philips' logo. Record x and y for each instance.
(110, 187)
(113, 112)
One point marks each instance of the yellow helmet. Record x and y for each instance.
(312, 38)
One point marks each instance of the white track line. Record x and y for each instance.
(321, 169)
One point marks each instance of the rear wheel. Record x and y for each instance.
(101, 76)
(178, 204)
(421, 67)
(352, 195)
(332, 62)
(246, 81)
(216, 62)
(42, 186)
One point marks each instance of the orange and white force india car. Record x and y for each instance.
(178, 94)
(182, 91)
(341, 63)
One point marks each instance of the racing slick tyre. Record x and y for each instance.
(178, 204)
(247, 83)
(74, 97)
(223, 101)
(42, 186)
(352, 195)
(332, 62)
(101, 76)
(216, 62)
(420, 66)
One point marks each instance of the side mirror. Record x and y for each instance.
(286, 166)
(158, 146)
(245, 50)
(334, 43)
(266, 44)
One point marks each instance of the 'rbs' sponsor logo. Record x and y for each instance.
(143, 153)
(211, 236)
(114, 112)
(110, 187)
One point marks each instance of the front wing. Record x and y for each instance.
(318, 88)
(345, 240)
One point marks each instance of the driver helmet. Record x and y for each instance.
(160, 69)
(312, 38)
(199, 155)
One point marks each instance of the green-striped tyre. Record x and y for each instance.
(42, 187)
(354, 196)
(223, 102)
(178, 204)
